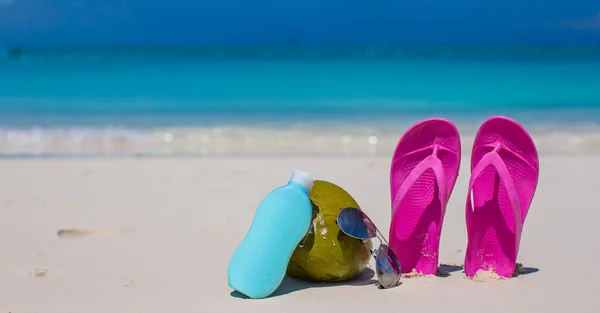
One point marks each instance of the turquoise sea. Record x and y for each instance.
(323, 100)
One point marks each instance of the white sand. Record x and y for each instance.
(155, 235)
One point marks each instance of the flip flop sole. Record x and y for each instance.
(423, 173)
(504, 176)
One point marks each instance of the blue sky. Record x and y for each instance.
(151, 22)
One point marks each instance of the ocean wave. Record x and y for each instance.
(249, 141)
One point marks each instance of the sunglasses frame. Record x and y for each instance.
(375, 253)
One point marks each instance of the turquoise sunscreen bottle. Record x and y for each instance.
(282, 219)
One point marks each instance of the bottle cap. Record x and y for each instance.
(303, 178)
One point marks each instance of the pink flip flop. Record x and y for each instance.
(504, 177)
(423, 173)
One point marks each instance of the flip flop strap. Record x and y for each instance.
(494, 159)
(430, 162)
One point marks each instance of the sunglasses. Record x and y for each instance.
(357, 224)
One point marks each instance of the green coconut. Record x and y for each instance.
(326, 254)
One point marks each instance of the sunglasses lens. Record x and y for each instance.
(388, 267)
(356, 224)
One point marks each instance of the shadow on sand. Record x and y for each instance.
(522, 270)
(445, 270)
(289, 284)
